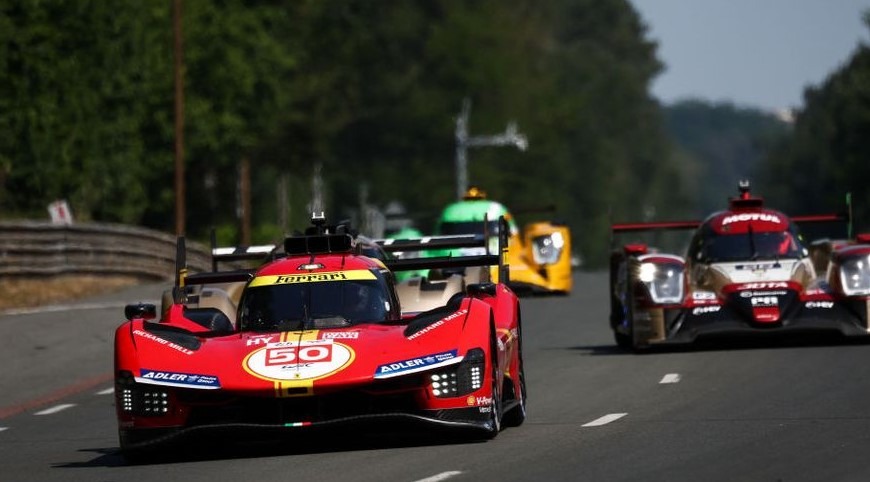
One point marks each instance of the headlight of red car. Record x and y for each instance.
(664, 281)
(855, 276)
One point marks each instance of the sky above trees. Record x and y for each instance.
(755, 54)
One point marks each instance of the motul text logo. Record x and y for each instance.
(742, 218)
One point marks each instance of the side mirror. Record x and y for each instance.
(140, 310)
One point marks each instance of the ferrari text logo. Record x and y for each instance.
(357, 274)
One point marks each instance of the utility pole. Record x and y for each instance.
(315, 206)
(464, 141)
(245, 199)
(178, 69)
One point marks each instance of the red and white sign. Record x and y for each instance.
(60, 212)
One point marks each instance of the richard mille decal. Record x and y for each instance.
(164, 342)
(438, 323)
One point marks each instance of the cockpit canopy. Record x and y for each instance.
(315, 301)
(712, 245)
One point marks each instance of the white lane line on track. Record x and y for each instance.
(440, 477)
(610, 417)
(55, 409)
(671, 378)
(3, 428)
(82, 306)
(107, 391)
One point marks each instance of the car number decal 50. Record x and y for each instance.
(298, 360)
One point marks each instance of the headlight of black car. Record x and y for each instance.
(663, 281)
(855, 276)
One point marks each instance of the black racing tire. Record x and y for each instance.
(138, 447)
(517, 414)
(495, 413)
(626, 340)
(132, 455)
(622, 340)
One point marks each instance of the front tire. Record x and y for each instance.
(517, 414)
(495, 414)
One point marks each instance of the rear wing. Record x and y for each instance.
(432, 242)
(652, 226)
(819, 226)
(183, 279)
(308, 242)
(451, 242)
(802, 221)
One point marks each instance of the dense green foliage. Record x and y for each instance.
(369, 90)
(829, 153)
(720, 144)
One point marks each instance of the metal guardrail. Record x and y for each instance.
(33, 248)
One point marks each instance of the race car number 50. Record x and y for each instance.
(302, 360)
(303, 354)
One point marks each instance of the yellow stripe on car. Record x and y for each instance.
(357, 274)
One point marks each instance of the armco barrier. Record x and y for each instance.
(31, 248)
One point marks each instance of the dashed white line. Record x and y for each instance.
(671, 378)
(3, 428)
(55, 409)
(70, 307)
(604, 420)
(107, 391)
(441, 476)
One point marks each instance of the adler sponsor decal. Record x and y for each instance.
(825, 305)
(746, 217)
(157, 377)
(417, 364)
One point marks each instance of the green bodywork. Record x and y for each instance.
(466, 217)
(410, 233)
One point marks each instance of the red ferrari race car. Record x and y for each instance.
(747, 271)
(318, 339)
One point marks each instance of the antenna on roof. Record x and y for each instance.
(743, 186)
(319, 221)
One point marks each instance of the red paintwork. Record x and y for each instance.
(338, 358)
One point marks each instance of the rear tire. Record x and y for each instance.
(622, 340)
(495, 415)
